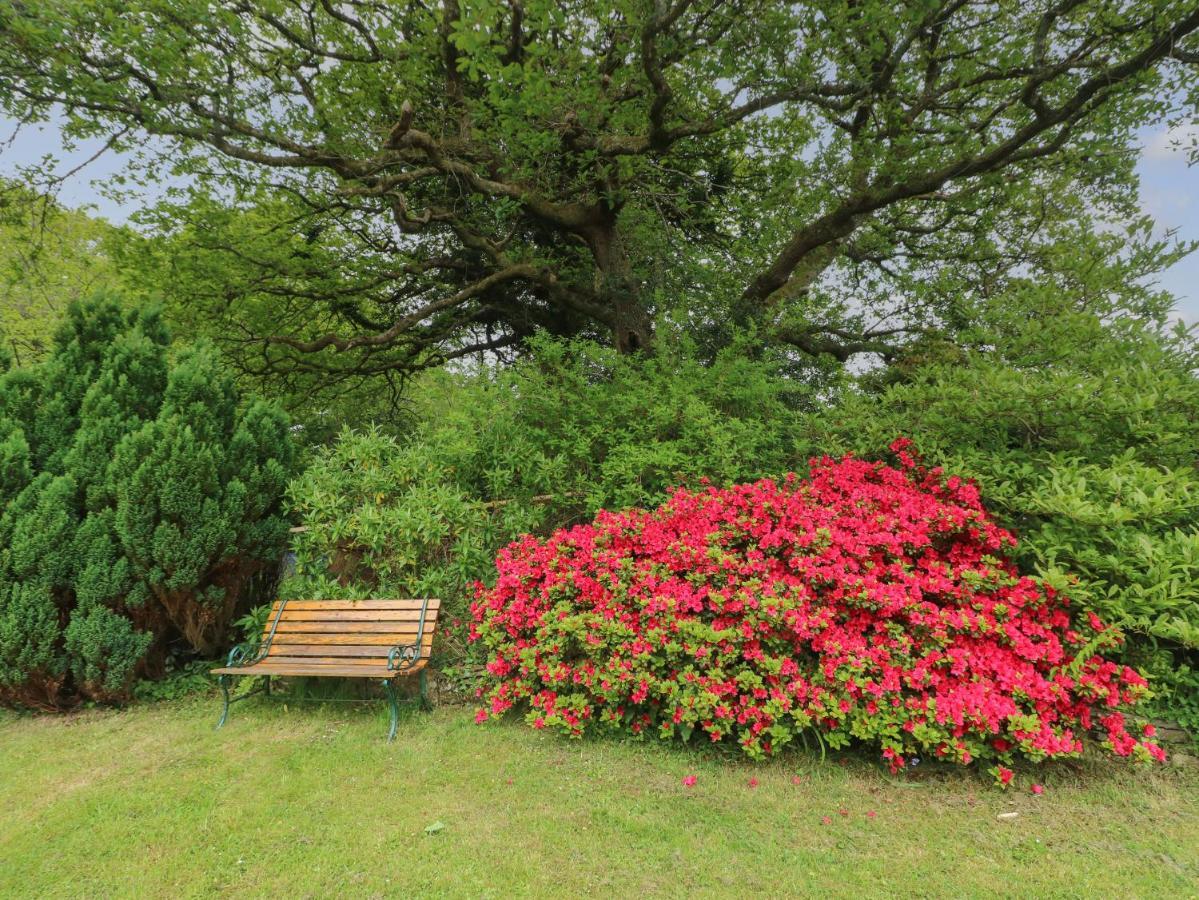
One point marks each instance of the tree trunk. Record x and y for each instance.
(620, 290)
(206, 627)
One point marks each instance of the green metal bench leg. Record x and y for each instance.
(267, 685)
(224, 681)
(389, 686)
(424, 691)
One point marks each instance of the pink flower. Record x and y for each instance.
(753, 782)
(689, 781)
(1149, 731)
(1005, 775)
(1037, 789)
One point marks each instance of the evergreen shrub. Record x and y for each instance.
(139, 496)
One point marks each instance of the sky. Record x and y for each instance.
(1170, 194)
(1169, 188)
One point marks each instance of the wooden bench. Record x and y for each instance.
(379, 639)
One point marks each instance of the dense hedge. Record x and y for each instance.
(572, 428)
(866, 603)
(139, 496)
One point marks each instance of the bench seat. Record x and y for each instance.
(298, 667)
(378, 639)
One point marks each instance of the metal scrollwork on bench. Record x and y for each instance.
(404, 656)
(248, 654)
(244, 655)
(400, 658)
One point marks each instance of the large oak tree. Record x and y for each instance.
(396, 184)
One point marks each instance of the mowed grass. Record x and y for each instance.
(310, 801)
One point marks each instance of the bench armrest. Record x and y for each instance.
(403, 657)
(245, 655)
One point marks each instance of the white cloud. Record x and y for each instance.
(1168, 143)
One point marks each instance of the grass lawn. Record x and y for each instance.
(310, 801)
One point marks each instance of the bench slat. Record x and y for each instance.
(287, 626)
(357, 664)
(367, 605)
(374, 650)
(353, 615)
(352, 662)
(347, 652)
(330, 670)
(382, 640)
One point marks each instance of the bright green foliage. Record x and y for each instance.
(572, 429)
(49, 256)
(139, 498)
(584, 427)
(1129, 533)
(1084, 443)
(383, 520)
(34, 529)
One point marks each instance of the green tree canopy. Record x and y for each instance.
(380, 187)
(49, 257)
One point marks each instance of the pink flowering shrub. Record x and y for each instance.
(866, 603)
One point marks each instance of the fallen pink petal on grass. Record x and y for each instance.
(753, 782)
(797, 780)
(826, 820)
(689, 781)
(1037, 789)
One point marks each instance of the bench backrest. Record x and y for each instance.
(349, 632)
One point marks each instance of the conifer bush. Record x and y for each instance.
(138, 497)
(867, 603)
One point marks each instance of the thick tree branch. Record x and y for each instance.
(388, 337)
(845, 217)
